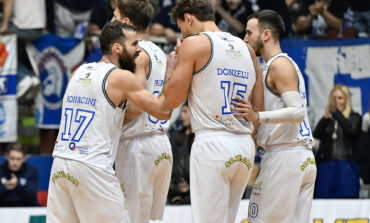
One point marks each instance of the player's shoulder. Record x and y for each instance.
(196, 43)
(281, 66)
(119, 75)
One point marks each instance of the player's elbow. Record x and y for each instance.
(298, 115)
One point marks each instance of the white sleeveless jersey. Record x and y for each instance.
(284, 134)
(146, 124)
(91, 124)
(229, 72)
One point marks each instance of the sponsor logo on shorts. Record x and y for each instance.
(307, 163)
(238, 158)
(257, 188)
(253, 210)
(62, 174)
(162, 157)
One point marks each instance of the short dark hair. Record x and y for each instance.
(16, 146)
(269, 19)
(113, 33)
(140, 12)
(201, 9)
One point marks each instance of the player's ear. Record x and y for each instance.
(116, 47)
(188, 18)
(266, 35)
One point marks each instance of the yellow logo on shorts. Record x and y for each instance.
(239, 158)
(162, 157)
(67, 176)
(307, 162)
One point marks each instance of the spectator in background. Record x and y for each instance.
(19, 181)
(163, 24)
(27, 19)
(338, 174)
(99, 17)
(321, 17)
(71, 17)
(363, 155)
(181, 141)
(231, 15)
(361, 16)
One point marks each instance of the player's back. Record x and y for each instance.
(229, 73)
(146, 124)
(284, 135)
(91, 124)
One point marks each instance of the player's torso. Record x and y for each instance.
(91, 124)
(288, 134)
(145, 123)
(229, 73)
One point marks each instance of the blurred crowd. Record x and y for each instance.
(343, 135)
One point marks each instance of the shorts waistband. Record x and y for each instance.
(143, 135)
(285, 147)
(206, 133)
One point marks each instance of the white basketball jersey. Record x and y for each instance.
(91, 124)
(229, 73)
(284, 134)
(145, 123)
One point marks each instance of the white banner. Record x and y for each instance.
(8, 85)
(323, 211)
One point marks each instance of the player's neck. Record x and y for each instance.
(208, 26)
(143, 36)
(110, 59)
(270, 50)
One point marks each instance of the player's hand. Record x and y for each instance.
(4, 28)
(171, 65)
(178, 44)
(244, 109)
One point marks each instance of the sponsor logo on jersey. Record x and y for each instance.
(253, 210)
(85, 80)
(158, 83)
(233, 72)
(232, 53)
(72, 146)
(159, 62)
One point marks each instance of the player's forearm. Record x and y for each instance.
(7, 10)
(331, 19)
(294, 112)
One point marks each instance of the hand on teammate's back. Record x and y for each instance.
(244, 109)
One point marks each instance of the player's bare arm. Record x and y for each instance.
(141, 74)
(123, 84)
(193, 55)
(282, 80)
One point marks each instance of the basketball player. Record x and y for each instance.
(284, 187)
(212, 68)
(83, 186)
(144, 157)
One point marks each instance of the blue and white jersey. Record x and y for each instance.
(229, 73)
(272, 135)
(146, 124)
(91, 124)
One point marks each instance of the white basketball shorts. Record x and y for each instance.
(220, 166)
(284, 188)
(85, 194)
(143, 166)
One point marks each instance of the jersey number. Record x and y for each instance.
(153, 119)
(83, 117)
(238, 90)
(304, 130)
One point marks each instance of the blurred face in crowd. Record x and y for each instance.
(339, 99)
(253, 36)
(15, 160)
(130, 50)
(233, 4)
(185, 115)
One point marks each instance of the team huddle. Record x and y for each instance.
(115, 113)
